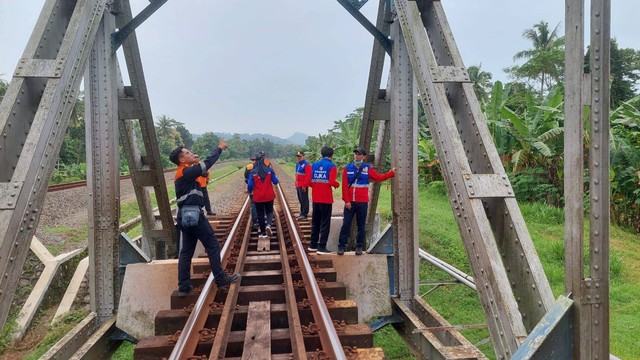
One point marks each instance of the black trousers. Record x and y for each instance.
(320, 225)
(303, 198)
(359, 210)
(188, 240)
(264, 208)
(207, 203)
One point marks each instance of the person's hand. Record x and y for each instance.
(347, 205)
(394, 170)
(223, 144)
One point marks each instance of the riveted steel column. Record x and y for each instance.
(33, 119)
(103, 178)
(575, 83)
(596, 287)
(404, 139)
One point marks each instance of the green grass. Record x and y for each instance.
(124, 352)
(56, 332)
(460, 305)
(76, 237)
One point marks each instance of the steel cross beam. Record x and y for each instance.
(489, 220)
(379, 35)
(33, 118)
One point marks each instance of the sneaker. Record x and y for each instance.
(358, 250)
(340, 251)
(302, 217)
(263, 236)
(323, 251)
(183, 293)
(227, 279)
(269, 231)
(211, 213)
(312, 248)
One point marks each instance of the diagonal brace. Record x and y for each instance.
(377, 34)
(118, 37)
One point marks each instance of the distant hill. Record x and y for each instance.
(296, 139)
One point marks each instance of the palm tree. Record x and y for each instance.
(481, 81)
(166, 126)
(545, 60)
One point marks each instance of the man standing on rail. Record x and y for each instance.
(323, 178)
(193, 223)
(355, 193)
(303, 177)
(204, 182)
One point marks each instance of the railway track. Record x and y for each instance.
(288, 304)
(75, 184)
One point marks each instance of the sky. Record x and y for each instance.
(283, 66)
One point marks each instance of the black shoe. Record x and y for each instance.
(358, 251)
(227, 279)
(302, 217)
(323, 251)
(183, 293)
(211, 213)
(313, 248)
(254, 226)
(340, 251)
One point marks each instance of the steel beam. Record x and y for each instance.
(404, 137)
(33, 119)
(488, 217)
(103, 177)
(160, 235)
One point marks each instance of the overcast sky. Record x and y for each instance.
(286, 66)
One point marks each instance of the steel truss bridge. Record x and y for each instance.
(75, 40)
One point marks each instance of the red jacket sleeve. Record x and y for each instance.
(345, 187)
(307, 176)
(373, 175)
(333, 174)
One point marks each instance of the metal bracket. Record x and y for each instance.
(45, 68)
(9, 194)
(450, 74)
(488, 186)
(384, 321)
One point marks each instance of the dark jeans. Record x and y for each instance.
(264, 208)
(359, 210)
(303, 198)
(207, 203)
(254, 213)
(320, 225)
(188, 239)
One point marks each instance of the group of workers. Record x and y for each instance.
(320, 177)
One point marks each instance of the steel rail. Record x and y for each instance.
(295, 326)
(328, 335)
(198, 316)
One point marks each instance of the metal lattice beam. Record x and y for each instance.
(33, 118)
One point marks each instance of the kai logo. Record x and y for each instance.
(320, 168)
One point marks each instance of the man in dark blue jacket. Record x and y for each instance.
(192, 222)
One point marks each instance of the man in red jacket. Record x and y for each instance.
(303, 176)
(323, 178)
(355, 193)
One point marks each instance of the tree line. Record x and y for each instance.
(526, 119)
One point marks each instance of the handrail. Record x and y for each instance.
(328, 335)
(198, 316)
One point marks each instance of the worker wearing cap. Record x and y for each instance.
(303, 177)
(355, 193)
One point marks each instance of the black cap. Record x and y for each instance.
(253, 157)
(360, 150)
(299, 153)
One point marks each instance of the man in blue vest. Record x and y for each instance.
(323, 178)
(355, 193)
(303, 177)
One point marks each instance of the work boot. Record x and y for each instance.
(358, 250)
(183, 293)
(340, 251)
(227, 279)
